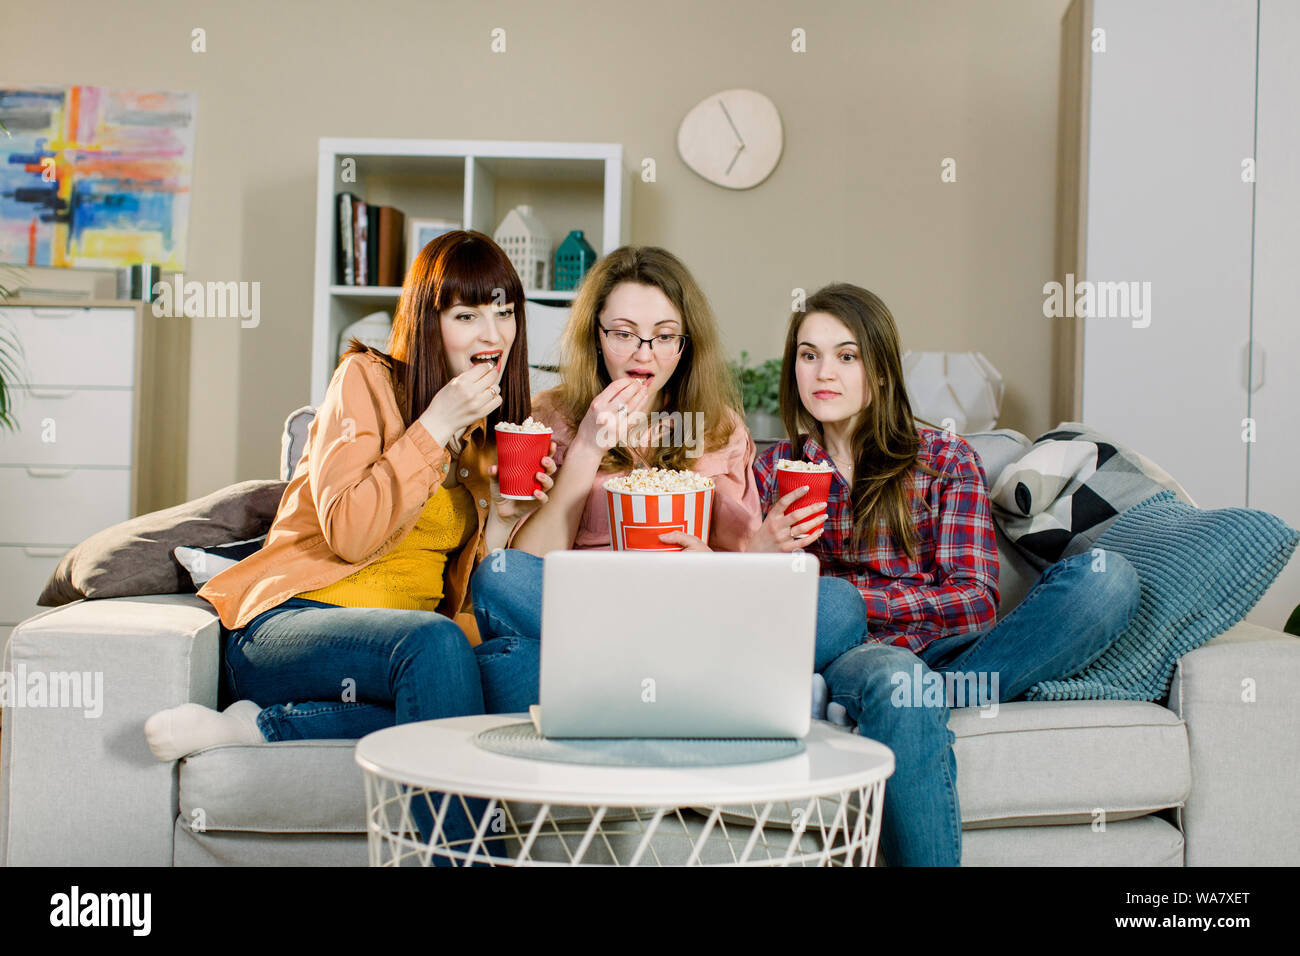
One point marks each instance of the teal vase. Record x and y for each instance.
(572, 260)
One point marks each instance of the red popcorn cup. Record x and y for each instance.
(637, 520)
(818, 484)
(519, 458)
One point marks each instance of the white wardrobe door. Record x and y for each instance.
(1171, 120)
(1275, 404)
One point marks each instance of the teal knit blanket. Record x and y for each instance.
(1201, 572)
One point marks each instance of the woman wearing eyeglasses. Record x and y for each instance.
(641, 345)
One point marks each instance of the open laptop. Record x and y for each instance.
(687, 644)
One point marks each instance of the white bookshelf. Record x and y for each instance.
(476, 182)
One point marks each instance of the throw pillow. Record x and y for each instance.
(1201, 572)
(135, 557)
(1055, 500)
(203, 564)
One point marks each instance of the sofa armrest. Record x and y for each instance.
(78, 784)
(1237, 696)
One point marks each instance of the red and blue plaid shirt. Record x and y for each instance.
(952, 586)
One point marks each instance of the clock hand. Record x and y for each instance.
(734, 158)
(733, 125)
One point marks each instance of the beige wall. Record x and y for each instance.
(884, 92)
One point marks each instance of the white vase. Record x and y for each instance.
(374, 330)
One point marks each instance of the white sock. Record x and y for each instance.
(182, 730)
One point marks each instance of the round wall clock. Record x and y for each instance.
(733, 138)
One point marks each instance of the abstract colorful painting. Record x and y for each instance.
(95, 177)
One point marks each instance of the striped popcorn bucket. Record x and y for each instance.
(637, 520)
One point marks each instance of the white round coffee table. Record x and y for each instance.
(820, 807)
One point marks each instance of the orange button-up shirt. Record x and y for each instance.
(359, 488)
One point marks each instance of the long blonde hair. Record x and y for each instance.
(700, 382)
(885, 443)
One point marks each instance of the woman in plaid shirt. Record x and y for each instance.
(908, 524)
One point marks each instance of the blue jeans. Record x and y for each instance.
(320, 671)
(1063, 624)
(393, 666)
(507, 593)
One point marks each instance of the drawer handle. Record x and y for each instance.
(45, 552)
(54, 313)
(51, 392)
(48, 472)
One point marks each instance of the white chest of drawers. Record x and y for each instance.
(100, 406)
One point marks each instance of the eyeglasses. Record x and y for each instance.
(623, 342)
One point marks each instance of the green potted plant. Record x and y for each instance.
(759, 391)
(10, 354)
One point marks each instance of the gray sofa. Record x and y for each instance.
(1201, 779)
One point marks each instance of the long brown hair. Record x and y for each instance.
(701, 380)
(886, 442)
(457, 268)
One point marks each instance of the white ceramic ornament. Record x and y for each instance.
(962, 387)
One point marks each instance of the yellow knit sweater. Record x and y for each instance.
(410, 575)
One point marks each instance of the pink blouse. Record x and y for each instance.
(737, 509)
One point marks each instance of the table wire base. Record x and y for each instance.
(829, 829)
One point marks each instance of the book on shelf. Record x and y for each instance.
(345, 249)
(373, 254)
(372, 244)
(390, 268)
(360, 225)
